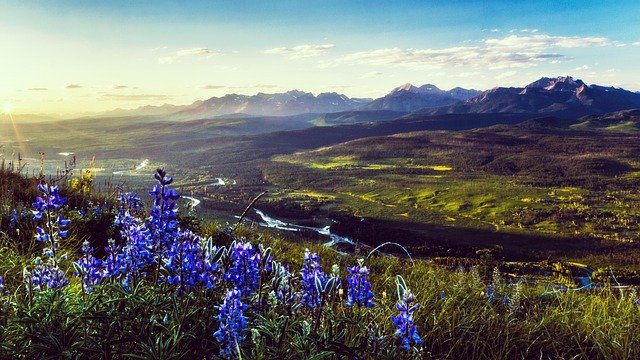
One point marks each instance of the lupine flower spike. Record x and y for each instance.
(244, 270)
(233, 323)
(312, 276)
(359, 292)
(88, 268)
(47, 210)
(406, 331)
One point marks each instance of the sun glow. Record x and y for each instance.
(7, 108)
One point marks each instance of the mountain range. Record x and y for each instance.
(560, 96)
(282, 104)
(409, 98)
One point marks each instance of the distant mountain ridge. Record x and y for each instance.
(280, 104)
(409, 98)
(558, 96)
(563, 96)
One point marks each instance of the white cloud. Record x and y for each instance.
(136, 97)
(448, 57)
(198, 51)
(541, 42)
(464, 74)
(300, 51)
(371, 74)
(513, 51)
(637, 43)
(193, 51)
(165, 60)
(583, 67)
(256, 86)
(506, 74)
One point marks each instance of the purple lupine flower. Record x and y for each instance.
(185, 263)
(406, 331)
(244, 270)
(313, 280)
(137, 252)
(359, 291)
(163, 219)
(88, 268)
(56, 277)
(97, 211)
(112, 264)
(136, 256)
(49, 203)
(281, 284)
(47, 275)
(38, 274)
(47, 209)
(1, 284)
(490, 292)
(210, 256)
(233, 323)
(13, 223)
(129, 205)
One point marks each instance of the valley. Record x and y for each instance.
(524, 186)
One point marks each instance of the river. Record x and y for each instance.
(334, 239)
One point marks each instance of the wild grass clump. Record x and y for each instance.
(158, 290)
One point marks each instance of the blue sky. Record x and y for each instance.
(76, 56)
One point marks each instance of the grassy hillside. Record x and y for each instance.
(181, 300)
(565, 190)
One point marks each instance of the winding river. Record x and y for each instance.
(270, 222)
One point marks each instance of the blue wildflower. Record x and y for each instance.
(13, 222)
(186, 265)
(54, 228)
(281, 284)
(406, 331)
(232, 324)
(136, 256)
(490, 292)
(88, 268)
(313, 280)
(112, 264)
(163, 219)
(129, 205)
(244, 270)
(359, 291)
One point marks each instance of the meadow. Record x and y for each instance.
(171, 286)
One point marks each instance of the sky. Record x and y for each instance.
(72, 57)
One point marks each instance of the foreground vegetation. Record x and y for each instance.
(160, 291)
